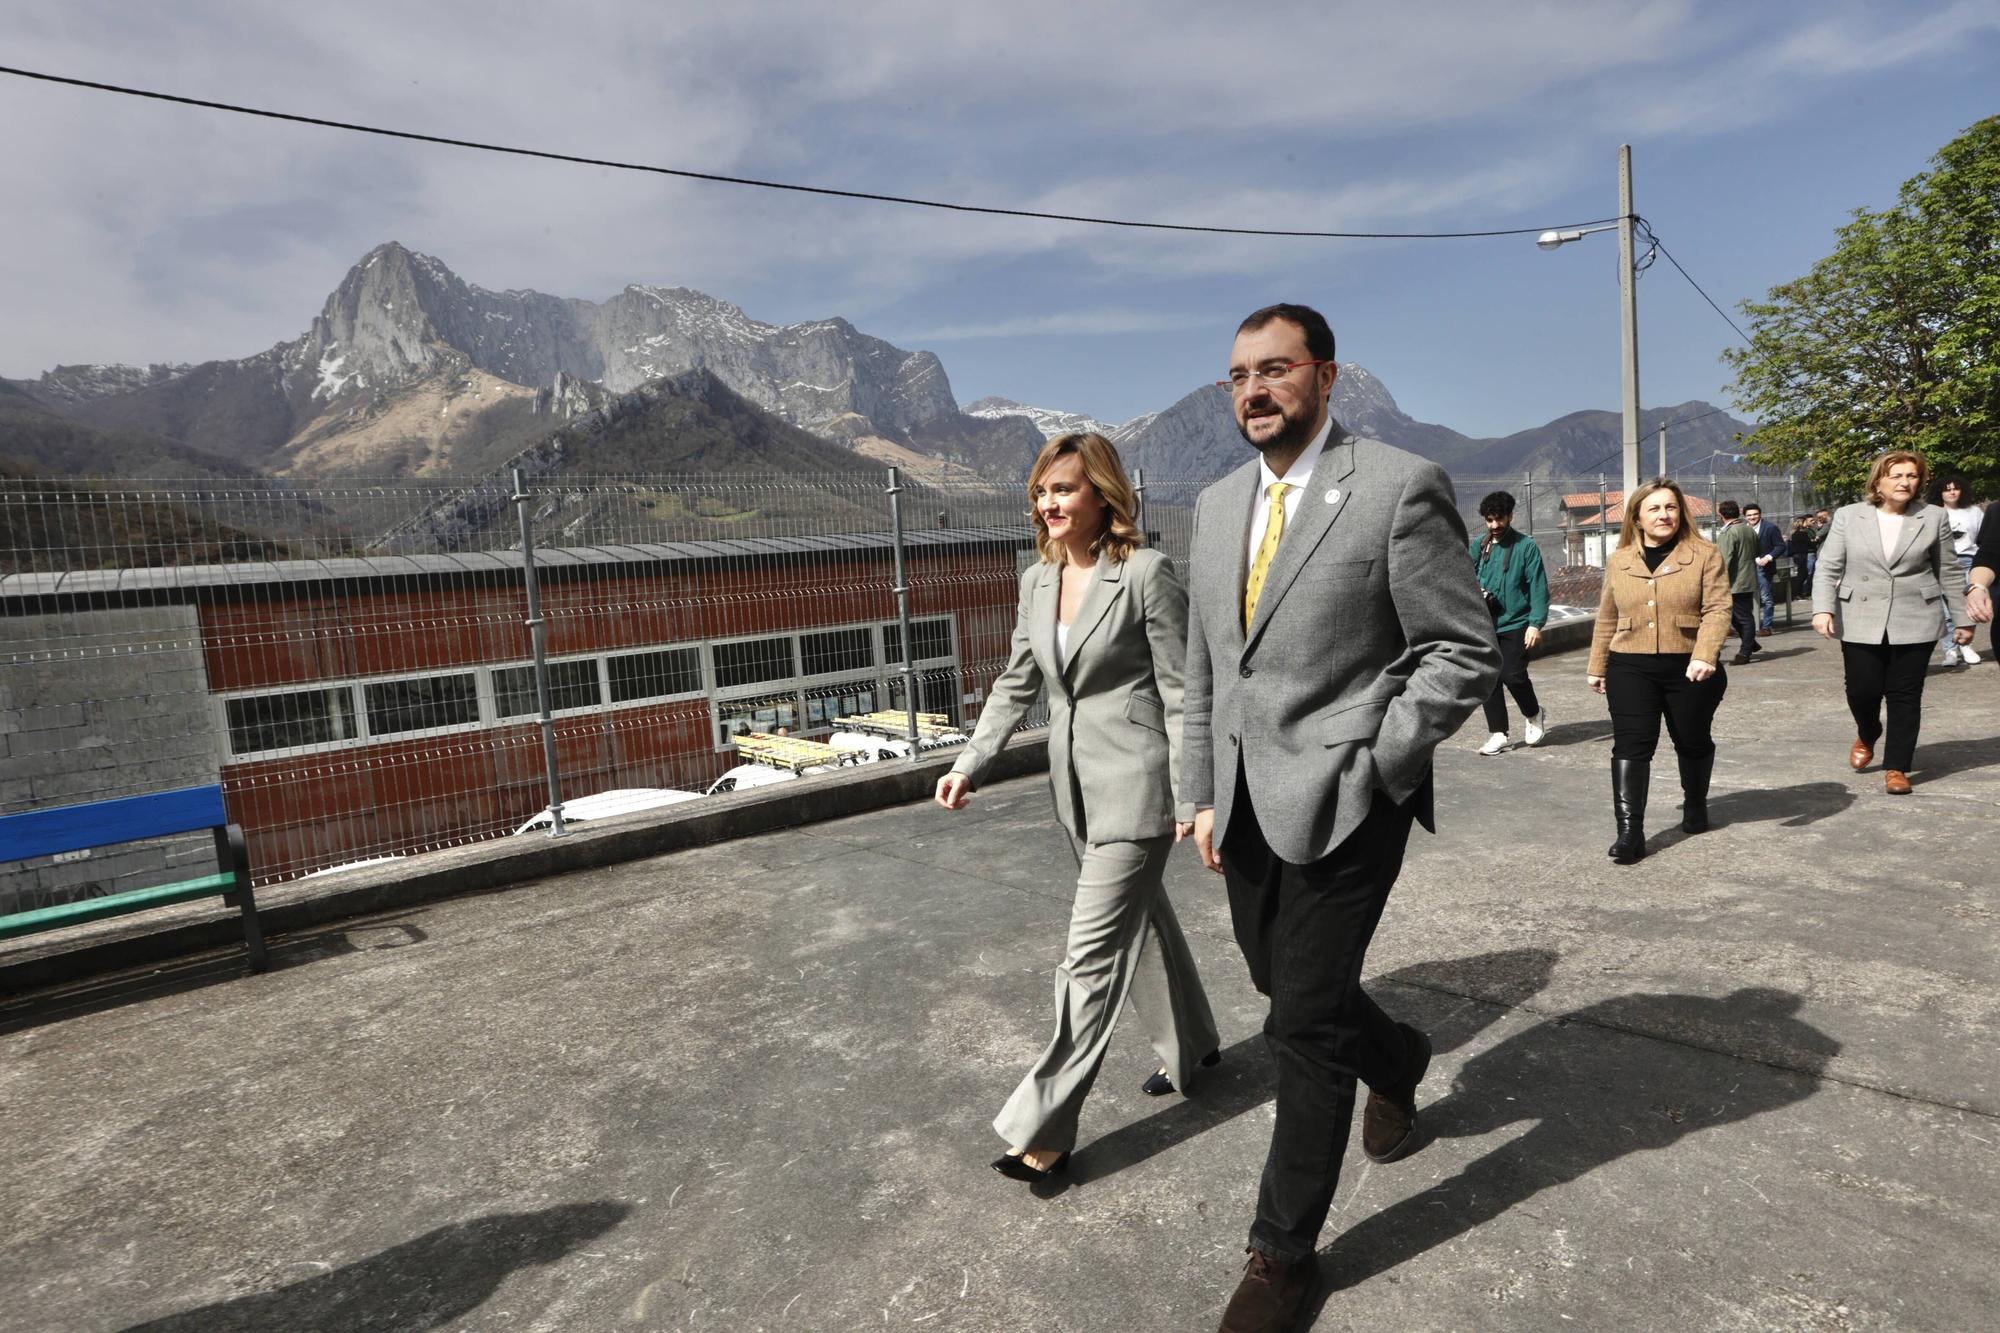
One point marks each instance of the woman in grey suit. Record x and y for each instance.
(1885, 571)
(1103, 626)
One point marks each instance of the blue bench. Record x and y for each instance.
(76, 828)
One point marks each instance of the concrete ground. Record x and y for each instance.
(1749, 1083)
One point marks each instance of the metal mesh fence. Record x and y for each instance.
(355, 662)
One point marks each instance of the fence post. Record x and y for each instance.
(538, 637)
(1603, 522)
(902, 590)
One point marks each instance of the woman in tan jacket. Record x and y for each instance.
(1660, 627)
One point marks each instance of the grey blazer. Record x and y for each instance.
(1114, 705)
(1900, 600)
(1370, 646)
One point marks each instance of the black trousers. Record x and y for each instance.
(1894, 671)
(1743, 620)
(1514, 679)
(1644, 687)
(1305, 931)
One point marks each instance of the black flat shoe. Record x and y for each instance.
(1159, 1085)
(1016, 1168)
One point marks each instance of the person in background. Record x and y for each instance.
(1738, 545)
(1661, 622)
(1803, 542)
(1950, 494)
(1516, 586)
(1886, 564)
(1102, 626)
(1985, 569)
(1770, 545)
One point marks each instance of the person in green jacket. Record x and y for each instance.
(1509, 568)
(1737, 541)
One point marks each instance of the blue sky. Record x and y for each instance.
(136, 231)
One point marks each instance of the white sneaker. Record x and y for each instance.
(1951, 655)
(1494, 743)
(1969, 657)
(1537, 725)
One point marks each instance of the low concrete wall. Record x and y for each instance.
(154, 937)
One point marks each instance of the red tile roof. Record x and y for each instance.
(1575, 505)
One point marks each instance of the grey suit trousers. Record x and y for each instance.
(1125, 943)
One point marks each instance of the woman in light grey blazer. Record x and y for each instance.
(1103, 627)
(1885, 571)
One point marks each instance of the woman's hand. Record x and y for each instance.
(1962, 635)
(954, 791)
(1596, 683)
(1182, 830)
(1699, 670)
(1823, 624)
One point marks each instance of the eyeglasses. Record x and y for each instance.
(1270, 372)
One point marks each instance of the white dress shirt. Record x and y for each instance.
(1297, 476)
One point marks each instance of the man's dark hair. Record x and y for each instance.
(1753, 505)
(1319, 334)
(1728, 509)
(1497, 505)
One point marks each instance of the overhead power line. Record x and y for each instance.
(575, 159)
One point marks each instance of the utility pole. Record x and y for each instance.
(1629, 321)
(1663, 448)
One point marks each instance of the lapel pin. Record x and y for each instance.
(1333, 496)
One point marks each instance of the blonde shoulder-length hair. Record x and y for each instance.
(1628, 531)
(1120, 535)
(1889, 460)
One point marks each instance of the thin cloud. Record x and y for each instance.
(1079, 323)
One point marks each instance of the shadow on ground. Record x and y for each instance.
(1592, 1098)
(1949, 757)
(1790, 807)
(426, 1283)
(99, 994)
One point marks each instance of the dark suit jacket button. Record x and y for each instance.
(1246, 673)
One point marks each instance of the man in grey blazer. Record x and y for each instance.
(1335, 636)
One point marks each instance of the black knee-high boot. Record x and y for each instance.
(1695, 771)
(1629, 780)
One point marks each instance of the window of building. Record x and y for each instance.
(572, 684)
(753, 661)
(932, 638)
(837, 650)
(422, 703)
(655, 675)
(740, 716)
(826, 703)
(287, 721)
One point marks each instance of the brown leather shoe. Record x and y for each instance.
(1275, 1295)
(1860, 755)
(1896, 782)
(1389, 1121)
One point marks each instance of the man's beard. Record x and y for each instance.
(1294, 435)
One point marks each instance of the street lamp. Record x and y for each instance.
(1629, 307)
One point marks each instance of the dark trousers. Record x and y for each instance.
(1644, 687)
(1743, 620)
(1513, 678)
(1305, 930)
(1894, 671)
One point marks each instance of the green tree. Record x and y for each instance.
(1890, 342)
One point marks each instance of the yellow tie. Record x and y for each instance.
(1273, 530)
